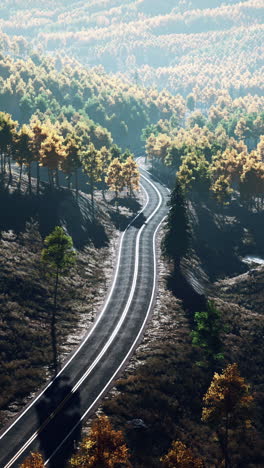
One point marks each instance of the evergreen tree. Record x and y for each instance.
(207, 334)
(176, 241)
(58, 255)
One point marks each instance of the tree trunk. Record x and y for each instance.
(38, 177)
(50, 173)
(56, 288)
(57, 177)
(20, 177)
(29, 179)
(4, 163)
(10, 171)
(92, 197)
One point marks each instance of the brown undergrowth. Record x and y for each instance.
(26, 292)
(159, 397)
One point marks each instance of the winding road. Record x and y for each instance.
(52, 421)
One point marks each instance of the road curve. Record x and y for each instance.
(52, 421)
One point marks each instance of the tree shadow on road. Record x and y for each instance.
(122, 221)
(58, 412)
(127, 202)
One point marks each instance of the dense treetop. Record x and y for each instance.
(62, 89)
(181, 45)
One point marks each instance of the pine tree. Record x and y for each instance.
(176, 241)
(58, 255)
(207, 334)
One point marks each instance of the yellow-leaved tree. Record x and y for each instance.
(180, 456)
(103, 448)
(34, 460)
(52, 154)
(131, 175)
(114, 178)
(227, 405)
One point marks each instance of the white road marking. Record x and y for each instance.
(75, 388)
(124, 360)
(91, 331)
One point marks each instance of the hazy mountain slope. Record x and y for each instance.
(150, 41)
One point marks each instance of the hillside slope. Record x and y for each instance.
(183, 46)
(26, 297)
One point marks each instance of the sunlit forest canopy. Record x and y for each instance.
(185, 46)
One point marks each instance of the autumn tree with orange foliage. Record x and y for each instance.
(114, 178)
(227, 406)
(34, 460)
(52, 154)
(103, 448)
(131, 175)
(179, 456)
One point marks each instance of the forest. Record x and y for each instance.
(181, 46)
(85, 88)
(63, 90)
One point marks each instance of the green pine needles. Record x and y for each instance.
(176, 241)
(207, 335)
(58, 255)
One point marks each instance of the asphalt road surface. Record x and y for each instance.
(52, 421)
